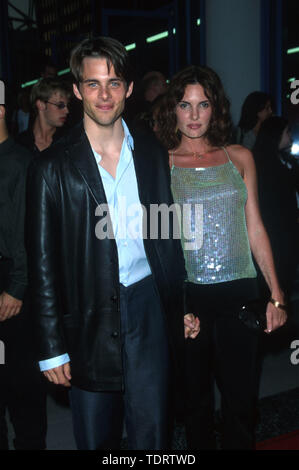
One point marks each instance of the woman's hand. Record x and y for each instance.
(192, 325)
(276, 317)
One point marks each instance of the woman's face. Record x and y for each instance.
(286, 139)
(193, 112)
(266, 112)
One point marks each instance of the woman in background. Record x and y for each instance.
(256, 108)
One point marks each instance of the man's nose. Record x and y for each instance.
(104, 92)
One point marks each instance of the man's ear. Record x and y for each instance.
(130, 89)
(41, 105)
(77, 92)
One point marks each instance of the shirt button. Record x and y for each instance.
(114, 334)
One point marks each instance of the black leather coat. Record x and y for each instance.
(73, 276)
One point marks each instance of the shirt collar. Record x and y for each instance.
(128, 135)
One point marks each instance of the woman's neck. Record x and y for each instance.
(195, 147)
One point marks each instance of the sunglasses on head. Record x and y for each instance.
(60, 105)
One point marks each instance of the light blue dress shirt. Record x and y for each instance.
(126, 213)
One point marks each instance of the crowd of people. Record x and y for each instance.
(95, 298)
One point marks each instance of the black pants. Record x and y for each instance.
(224, 350)
(144, 405)
(22, 386)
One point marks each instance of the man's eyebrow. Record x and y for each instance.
(88, 80)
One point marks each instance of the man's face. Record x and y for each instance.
(55, 115)
(50, 71)
(103, 93)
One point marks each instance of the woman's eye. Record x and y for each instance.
(205, 104)
(183, 105)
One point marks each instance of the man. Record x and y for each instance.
(49, 99)
(48, 69)
(153, 85)
(22, 392)
(107, 302)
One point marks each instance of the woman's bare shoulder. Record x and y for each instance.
(240, 154)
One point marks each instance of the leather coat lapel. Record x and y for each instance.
(83, 159)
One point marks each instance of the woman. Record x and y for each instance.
(278, 180)
(208, 173)
(256, 108)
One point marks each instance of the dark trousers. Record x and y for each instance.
(143, 406)
(22, 386)
(225, 350)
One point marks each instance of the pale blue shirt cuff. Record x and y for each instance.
(54, 362)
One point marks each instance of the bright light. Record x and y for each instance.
(291, 79)
(63, 72)
(24, 85)
(157, 37)
(130, 47)
(295, 149)
(198, 21)
(293, 50)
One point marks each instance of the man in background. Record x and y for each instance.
(22, 392)
(49, 100)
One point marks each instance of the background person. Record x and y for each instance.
(256, 108)
(49, 100)
(22, 389)
(277, 196)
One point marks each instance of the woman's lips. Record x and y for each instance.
(194, 126)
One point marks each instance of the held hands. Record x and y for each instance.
(192, 325)
(9, 306)
(276, 317)
(60, 375)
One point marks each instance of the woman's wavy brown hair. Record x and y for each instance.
(220, 128)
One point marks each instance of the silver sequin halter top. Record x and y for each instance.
(211, 202)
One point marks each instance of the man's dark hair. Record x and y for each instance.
(45, 87)
(219, 132)
(102, 47)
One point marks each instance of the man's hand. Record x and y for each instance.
(276, 317)
(192, 326)
(60, 375)
(9, 306)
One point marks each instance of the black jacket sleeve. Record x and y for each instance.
(42, 242)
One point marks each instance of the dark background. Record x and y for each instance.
(50, 28)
